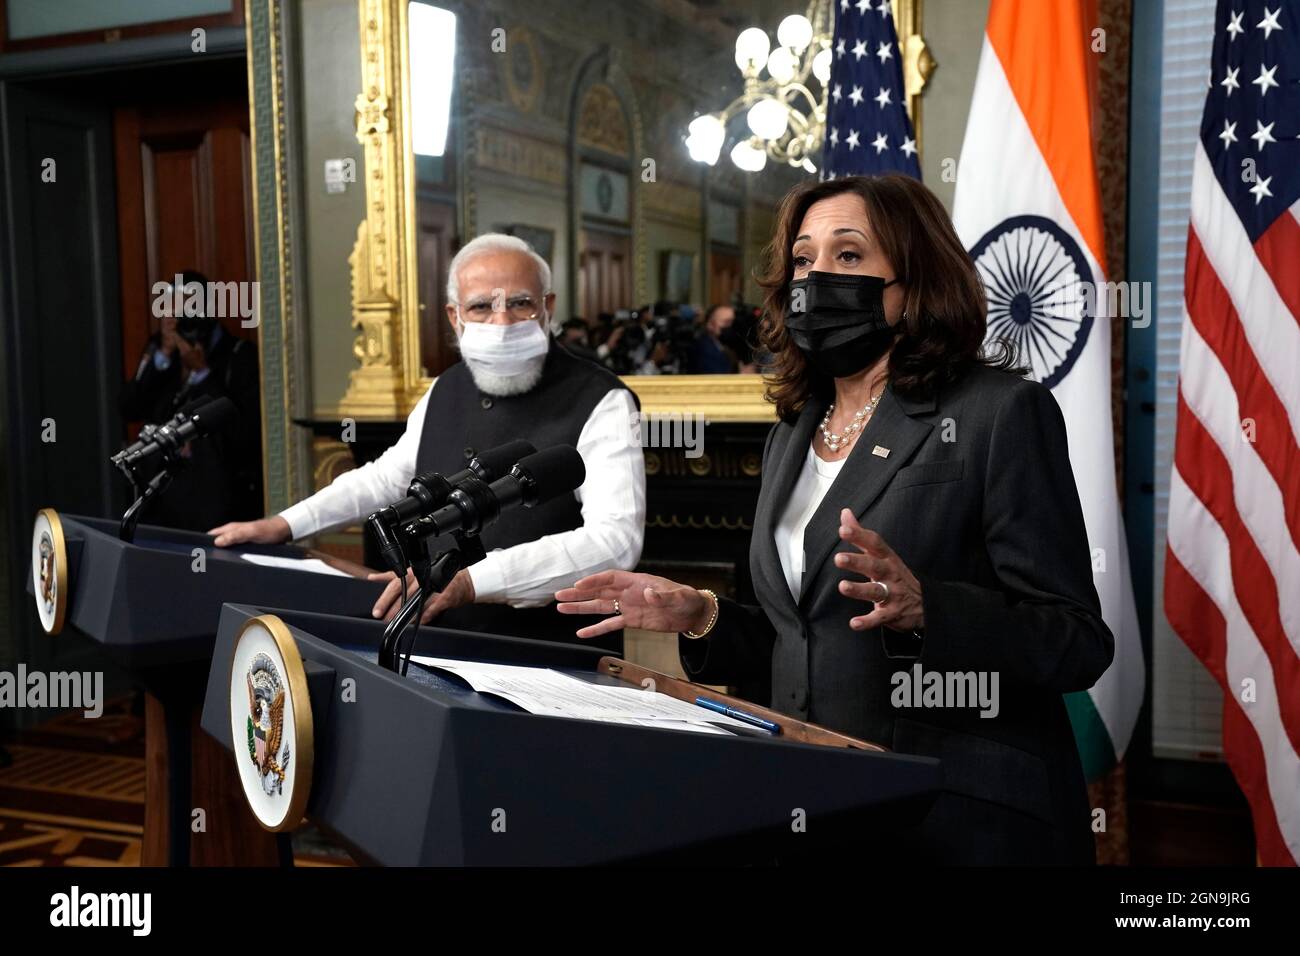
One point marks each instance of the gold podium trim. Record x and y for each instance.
(59, 562)
(304, 744)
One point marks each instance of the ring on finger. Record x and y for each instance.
(617, 610)
(883, 597)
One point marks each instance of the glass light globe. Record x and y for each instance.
(747, 157)
(822, 66)
(751, 49)
(768, 119)
(706, 135)
(782, 65)
(795, 32)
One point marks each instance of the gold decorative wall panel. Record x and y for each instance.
(669, 200)
(518, 155)
(601, 122)
(384, 298)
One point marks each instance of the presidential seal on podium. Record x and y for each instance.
(270, 722)
(50, 570)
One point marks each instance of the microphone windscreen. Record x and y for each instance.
(216, 414)
(192, 406)
(555, 471)
(497, 462)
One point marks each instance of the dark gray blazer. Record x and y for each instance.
(977, 497)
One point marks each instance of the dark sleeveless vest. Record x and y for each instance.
(461, 421)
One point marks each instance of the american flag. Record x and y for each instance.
(1232, 562)
(867, 129)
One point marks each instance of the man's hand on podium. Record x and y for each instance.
(459, 592)
(273, 530)
(643, 600)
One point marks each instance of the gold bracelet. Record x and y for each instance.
(713, 620)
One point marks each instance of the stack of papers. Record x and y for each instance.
(540, 690)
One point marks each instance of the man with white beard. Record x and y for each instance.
(514, 382)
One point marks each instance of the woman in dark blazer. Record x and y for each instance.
(918, 522)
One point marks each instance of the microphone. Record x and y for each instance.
(169, 438)
(429, 491)
(149, 430)
(537, 478)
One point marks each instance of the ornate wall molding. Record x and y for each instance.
(523, 88)
(515, 154)
(279, 332)
(674, 202)
(601, 121)
(918, 62)
(603, 68)
(385, 308)
(719, 398)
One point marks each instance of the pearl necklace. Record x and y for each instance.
(845, 438)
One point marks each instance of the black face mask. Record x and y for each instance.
(842, 328)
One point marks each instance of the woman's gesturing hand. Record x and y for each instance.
(644, 601)
(890, 584)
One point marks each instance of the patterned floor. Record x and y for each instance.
(42, 839)
(74, 795)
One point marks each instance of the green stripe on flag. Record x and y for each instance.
(1095, 749)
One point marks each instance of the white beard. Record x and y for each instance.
(492, 384)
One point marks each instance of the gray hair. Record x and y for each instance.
(488, 243)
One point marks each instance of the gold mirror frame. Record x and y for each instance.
(385, 300)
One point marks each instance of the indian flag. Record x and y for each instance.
(1029, 210)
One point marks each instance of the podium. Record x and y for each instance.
(422, 770)
(154, 605)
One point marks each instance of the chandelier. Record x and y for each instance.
(785, 116)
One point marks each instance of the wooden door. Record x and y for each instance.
(604, 273)
(435, 226)
(184, 201)
(724, 277)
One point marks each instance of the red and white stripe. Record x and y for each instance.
(1232, 567)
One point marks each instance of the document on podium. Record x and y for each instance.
(540, 690)
(312, 565)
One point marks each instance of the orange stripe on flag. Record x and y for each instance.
(1045, 51)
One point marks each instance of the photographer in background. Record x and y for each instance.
(192, 357)
(628, 346)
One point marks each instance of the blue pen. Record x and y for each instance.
(721, 708)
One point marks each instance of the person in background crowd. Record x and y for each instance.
(191, 357)
(709, 353)
(574, 336)
(742, 338)
(628, 346)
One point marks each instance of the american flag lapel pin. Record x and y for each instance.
(880, 451)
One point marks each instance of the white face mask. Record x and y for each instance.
(504, 350)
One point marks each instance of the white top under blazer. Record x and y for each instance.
(815, 478)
